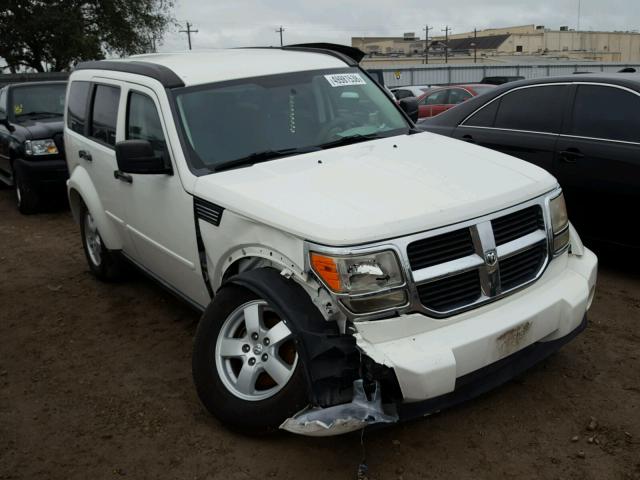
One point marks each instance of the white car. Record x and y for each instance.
(350, 269)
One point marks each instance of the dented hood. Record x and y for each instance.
(376, 190)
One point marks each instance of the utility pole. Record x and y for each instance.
(446, 31)
(426, 43)
(475, 45)
(280, 30)
(579, 2)
(189, 31)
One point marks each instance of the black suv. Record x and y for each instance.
(31, 145)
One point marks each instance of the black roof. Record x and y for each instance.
(482, 43)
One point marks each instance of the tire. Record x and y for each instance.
(27, 198)
(104, 264)
(245, 397)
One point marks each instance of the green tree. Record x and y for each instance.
(54, 34)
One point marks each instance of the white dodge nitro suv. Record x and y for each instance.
(351, 270)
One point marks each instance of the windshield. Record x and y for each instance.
(283, 114)
(31, 100)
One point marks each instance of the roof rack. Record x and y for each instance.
(164, 75)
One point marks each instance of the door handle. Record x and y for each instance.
(86, 155)
(123, 177)
(570, 155)
(468, 138)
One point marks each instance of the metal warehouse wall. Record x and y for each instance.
(441, 74)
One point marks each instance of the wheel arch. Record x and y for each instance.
(330, 359)
(82, 192)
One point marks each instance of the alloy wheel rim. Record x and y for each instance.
(255, 354)
(93, 241)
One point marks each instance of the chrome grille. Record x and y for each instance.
(439, 249)
(522, 267)
(451, 292)
(517, 224)
(462, 268)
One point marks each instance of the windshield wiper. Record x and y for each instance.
(263, 156)
(350, 140)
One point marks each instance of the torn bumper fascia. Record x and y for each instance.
(429, 356)
(340, 419)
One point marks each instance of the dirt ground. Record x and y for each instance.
(95, 383)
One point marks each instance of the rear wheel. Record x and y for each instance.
(27, 198)
(103, 263)
(245, 365)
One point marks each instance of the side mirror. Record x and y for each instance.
(410, 107)
(137, 156)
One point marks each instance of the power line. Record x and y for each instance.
(189, 31)
(280, 30)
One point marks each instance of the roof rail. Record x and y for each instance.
(350, 55)
(164, 75)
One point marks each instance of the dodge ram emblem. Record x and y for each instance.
(490, 258)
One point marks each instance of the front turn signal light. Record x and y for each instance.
(327, 270)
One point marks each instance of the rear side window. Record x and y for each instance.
(484, 117)
(77, 106)
(606, 112)
(143, 122)
(457, 95)
(104, 114)
(3, 101)
(535, 109)
(438, 98)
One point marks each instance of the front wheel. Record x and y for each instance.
(103, 263)
(246, 368)
(27, 198)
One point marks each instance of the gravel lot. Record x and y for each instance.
(95, 382)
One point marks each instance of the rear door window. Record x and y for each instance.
(104, 114)
(606, 112)
(77, 106)
(534, 109)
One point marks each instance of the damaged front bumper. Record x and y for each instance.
(435, 364)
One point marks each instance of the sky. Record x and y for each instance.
(238, 23)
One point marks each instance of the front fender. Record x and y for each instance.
(80, 189)
(331, 360)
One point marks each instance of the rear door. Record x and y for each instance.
(598, 162)
(524, 122)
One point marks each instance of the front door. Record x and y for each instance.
(524, 123)
(159, 212)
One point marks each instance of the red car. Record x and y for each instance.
(439, 99)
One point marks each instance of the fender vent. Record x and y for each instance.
(209, 212)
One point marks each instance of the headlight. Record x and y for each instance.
(559, 223)
(365, 283)
(358, 274)
(40, 147)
